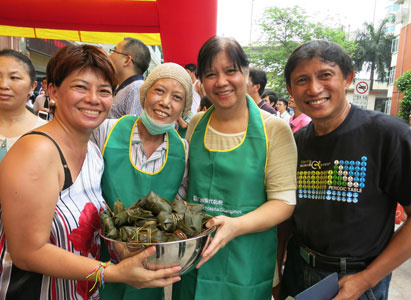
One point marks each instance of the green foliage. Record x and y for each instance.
(283, 30)
(373, 50)
(337, 36)
(403, 84)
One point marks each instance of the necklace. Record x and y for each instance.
(4, 143)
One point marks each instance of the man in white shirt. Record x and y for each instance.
(198, 93)
(281, 106)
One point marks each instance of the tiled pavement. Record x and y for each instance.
(400, 287)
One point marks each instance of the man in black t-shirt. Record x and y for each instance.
(354, 166)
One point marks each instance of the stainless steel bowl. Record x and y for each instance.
(184, 253)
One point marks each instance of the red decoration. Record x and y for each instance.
(83, 239)
(184, 25)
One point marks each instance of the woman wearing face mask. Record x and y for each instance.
(17, 81)
(143, 154)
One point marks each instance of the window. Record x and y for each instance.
(392, 76)
(389, 29)
(391, 19)
(394, 45)
(388, 106)
(392, 8)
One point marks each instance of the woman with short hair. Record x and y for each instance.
(51, 197)
(242, 167)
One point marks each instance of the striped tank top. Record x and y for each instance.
(74, 228)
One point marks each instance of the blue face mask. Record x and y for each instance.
(153, 127)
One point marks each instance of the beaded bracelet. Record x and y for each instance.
(98, 272)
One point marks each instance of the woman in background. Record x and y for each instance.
(17, 82)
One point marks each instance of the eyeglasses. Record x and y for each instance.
(121, 53)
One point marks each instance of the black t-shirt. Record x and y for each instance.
(349, 183)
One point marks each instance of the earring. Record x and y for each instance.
(52, 105)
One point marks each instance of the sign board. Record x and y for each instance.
(361, 101)
(361, 87)
(361, 91)
(45, 46)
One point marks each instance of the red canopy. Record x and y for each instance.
(183, 25)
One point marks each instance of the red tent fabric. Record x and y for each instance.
(184, 25)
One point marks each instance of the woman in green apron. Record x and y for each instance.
(143, 154)
(242, 168)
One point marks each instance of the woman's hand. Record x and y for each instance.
(262, 218)
(135, 272)
(226, 231)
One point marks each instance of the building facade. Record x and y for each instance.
(399, 13)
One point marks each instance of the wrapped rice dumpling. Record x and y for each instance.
(179, 206)
(168, 221)
(177, 235)
(149, 235)
(118, 207)
(180, 234)
(108, 227)
(153, 219)
(195, 208)
(121, 218)
(192, 224)
(138, 213)
(155, 203)
(127, 233)
(146, 222)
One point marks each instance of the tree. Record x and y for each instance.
(403, 84)
(373, 50)
(283, 30)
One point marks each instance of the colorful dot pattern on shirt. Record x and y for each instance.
(344, 182)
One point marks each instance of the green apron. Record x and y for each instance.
(122, 179)
(231, 183)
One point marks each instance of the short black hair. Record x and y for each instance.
(215, 45)
(20, 57)
(258, 76)
(191, 68)
(271, 95)
(326, 51)
(283, 100)
(140, 54)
